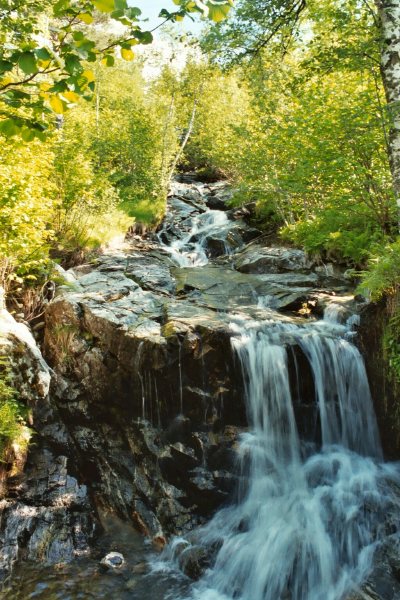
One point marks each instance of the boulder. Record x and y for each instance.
(273, 259)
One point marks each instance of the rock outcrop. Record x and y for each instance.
(45, 511)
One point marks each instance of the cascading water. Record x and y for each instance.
(191, 249)
(307, 519)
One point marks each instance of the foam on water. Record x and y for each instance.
(308, 519)
(191, 250)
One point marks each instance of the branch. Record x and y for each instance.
(372, 12)
(290, 17)
(28, 79)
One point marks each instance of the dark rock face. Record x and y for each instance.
(383, 583)
(121, 385)
(385, 391)
(45, 511)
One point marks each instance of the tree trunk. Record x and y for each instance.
(389, 15)
(188, 132)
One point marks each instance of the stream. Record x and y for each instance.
(308, 512)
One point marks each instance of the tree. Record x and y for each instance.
(46, 53)
(262, 22)
(389, 24)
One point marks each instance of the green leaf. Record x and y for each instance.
(73, 64)
(6, 65)
(133, 13)
(18, 94)
(43, 54)
(217, 12)
(164, 14)
(60, 7)
(121, 4)
(144, 37)
(8, 127)
(27, 62)
(108, 60)
(28, 135)
(105, 6)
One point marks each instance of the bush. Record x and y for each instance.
(27, 198)
(12, 426)
(383, 274)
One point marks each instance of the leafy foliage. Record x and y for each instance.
(305, 134)
(382, 276)
(392, 345)
(27, 203)
(47, 53)
(127, 141)
(11, 413)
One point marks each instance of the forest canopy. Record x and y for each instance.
(289, 101)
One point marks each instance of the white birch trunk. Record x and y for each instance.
(389, 15)
(188, 132)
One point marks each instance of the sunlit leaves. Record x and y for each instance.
(71, 96)
(106, 6)
(218, 12)
(57, 104)
(64, 49)
(215, 10)
(85, 18)
(127, 54)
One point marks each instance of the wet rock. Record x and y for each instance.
(190, 193)
(258, 259)
(179, 430)
(45, 514)
(223, 289)
(113, 561)
(140, 568)
(218, 201)
(50, 521)
(146, 384)
(184, 456)
(31, 374)
(217, 245)
(383, 583)
(193, 561)
(331, 271)
(245, 212)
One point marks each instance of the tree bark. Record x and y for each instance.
(389, 16)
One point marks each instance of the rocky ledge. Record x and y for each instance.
(45, 512)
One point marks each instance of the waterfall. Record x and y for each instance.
(306, 521)
(191, 249)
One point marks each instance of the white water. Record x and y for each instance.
(308, 515)
(191, 250)
(307, 520)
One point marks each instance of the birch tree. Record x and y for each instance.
(389, 22)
